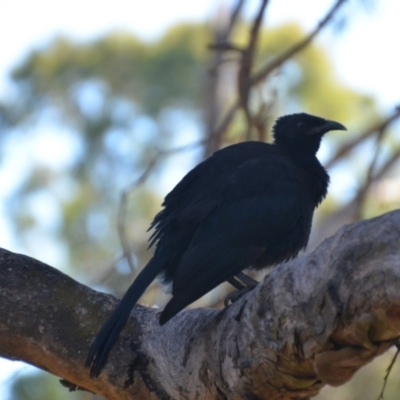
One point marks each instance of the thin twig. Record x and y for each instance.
(222, 127)
(264, 72)
(389, 164)
(185, 147)
(371, 168)
(376, 177)
(246, 66)
(108, 272)
(222, 43)
(372, 175)
(344, 150)
(123, 237)
(122, 209)
(217, 132)
(225, 46)
(216, 129)
(234, 16)
(388, 371)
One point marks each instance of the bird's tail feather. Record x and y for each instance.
(105, 339)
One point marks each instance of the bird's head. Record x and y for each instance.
(302, 133)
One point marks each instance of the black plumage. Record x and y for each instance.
(249, 205)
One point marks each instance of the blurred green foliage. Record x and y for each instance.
(45, 386)
(367, 383)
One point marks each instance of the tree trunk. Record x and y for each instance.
(312, 321)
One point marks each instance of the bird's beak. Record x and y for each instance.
(328, 126)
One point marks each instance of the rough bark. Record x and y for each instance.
(311, 322)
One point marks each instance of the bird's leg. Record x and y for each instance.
(243, 283)
(236, 283)
(246, 280)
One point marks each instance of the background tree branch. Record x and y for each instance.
(312, 321)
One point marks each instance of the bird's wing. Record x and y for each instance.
(259, 210)
(261, 206)
(199, 191)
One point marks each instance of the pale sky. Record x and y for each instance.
(365, 54)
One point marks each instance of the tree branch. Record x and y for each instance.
(246, 66)
(246, 80)
(312, 321)
(352, 144)
(123, 203)
(264, 72)
(122, 211)
(214, 98)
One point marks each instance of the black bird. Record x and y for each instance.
(249, 205)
